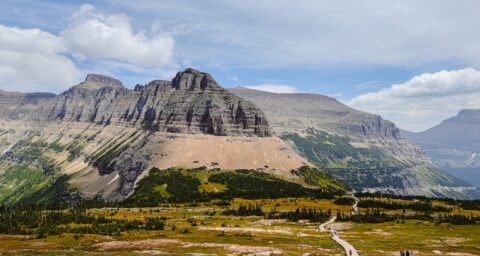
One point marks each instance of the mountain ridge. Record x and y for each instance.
(454, 144)
(361, 149)
(106, 137)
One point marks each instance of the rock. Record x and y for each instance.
(103, 80)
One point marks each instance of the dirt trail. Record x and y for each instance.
(324, 227)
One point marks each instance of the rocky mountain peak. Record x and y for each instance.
(98, 81)
(191, 79)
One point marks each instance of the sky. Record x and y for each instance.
(415, 63)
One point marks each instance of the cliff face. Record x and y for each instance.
(191, 103)
(294, 112)
(362, 149)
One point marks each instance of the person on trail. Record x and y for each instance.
(407, 253)
(402, 253)
(350, 252)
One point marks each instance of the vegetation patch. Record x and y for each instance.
(58, 191)
(171, 185)
(357, 167)
(313, 176)
(424, 206)
(180, 185)
(253, 184)
(20, 181)
(105, 158)
(344, 201)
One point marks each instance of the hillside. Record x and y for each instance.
(100, 138)
(454, 144)
(361, 149)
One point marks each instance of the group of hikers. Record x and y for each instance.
(406, 253)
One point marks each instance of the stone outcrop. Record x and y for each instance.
(103, 80)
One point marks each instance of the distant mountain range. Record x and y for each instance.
(361, 149)
(454, 145)
(100, 138)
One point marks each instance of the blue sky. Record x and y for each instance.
(386, 57)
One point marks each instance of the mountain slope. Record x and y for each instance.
(454, 144)
(100, 138)
(359, 148)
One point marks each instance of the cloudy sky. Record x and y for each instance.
(414, 62)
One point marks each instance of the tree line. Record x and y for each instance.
(426, 206)
(30, 220)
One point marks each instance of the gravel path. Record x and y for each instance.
(348, 248)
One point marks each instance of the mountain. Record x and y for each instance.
(361, 149)
(100, 138)
(454, 144)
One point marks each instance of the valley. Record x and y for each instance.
(221, 227)
(188, 167)
(239, 128)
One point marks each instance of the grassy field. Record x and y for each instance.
(204, 230)
(423, 237)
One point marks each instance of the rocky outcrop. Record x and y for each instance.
(373, 127)
(102, 80)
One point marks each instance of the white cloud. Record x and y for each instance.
(100, 36)
(36, 60)
(33, 60)
(322, 33)
(276, 88)
(425, 100)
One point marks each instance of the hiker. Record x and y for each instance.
(402, 253)
(350, 252)
(407, 253)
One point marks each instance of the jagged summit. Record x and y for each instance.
(193, 79)
(187, 80)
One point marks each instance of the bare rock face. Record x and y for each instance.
(102, 80)
(192, 102)
(294, 112)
